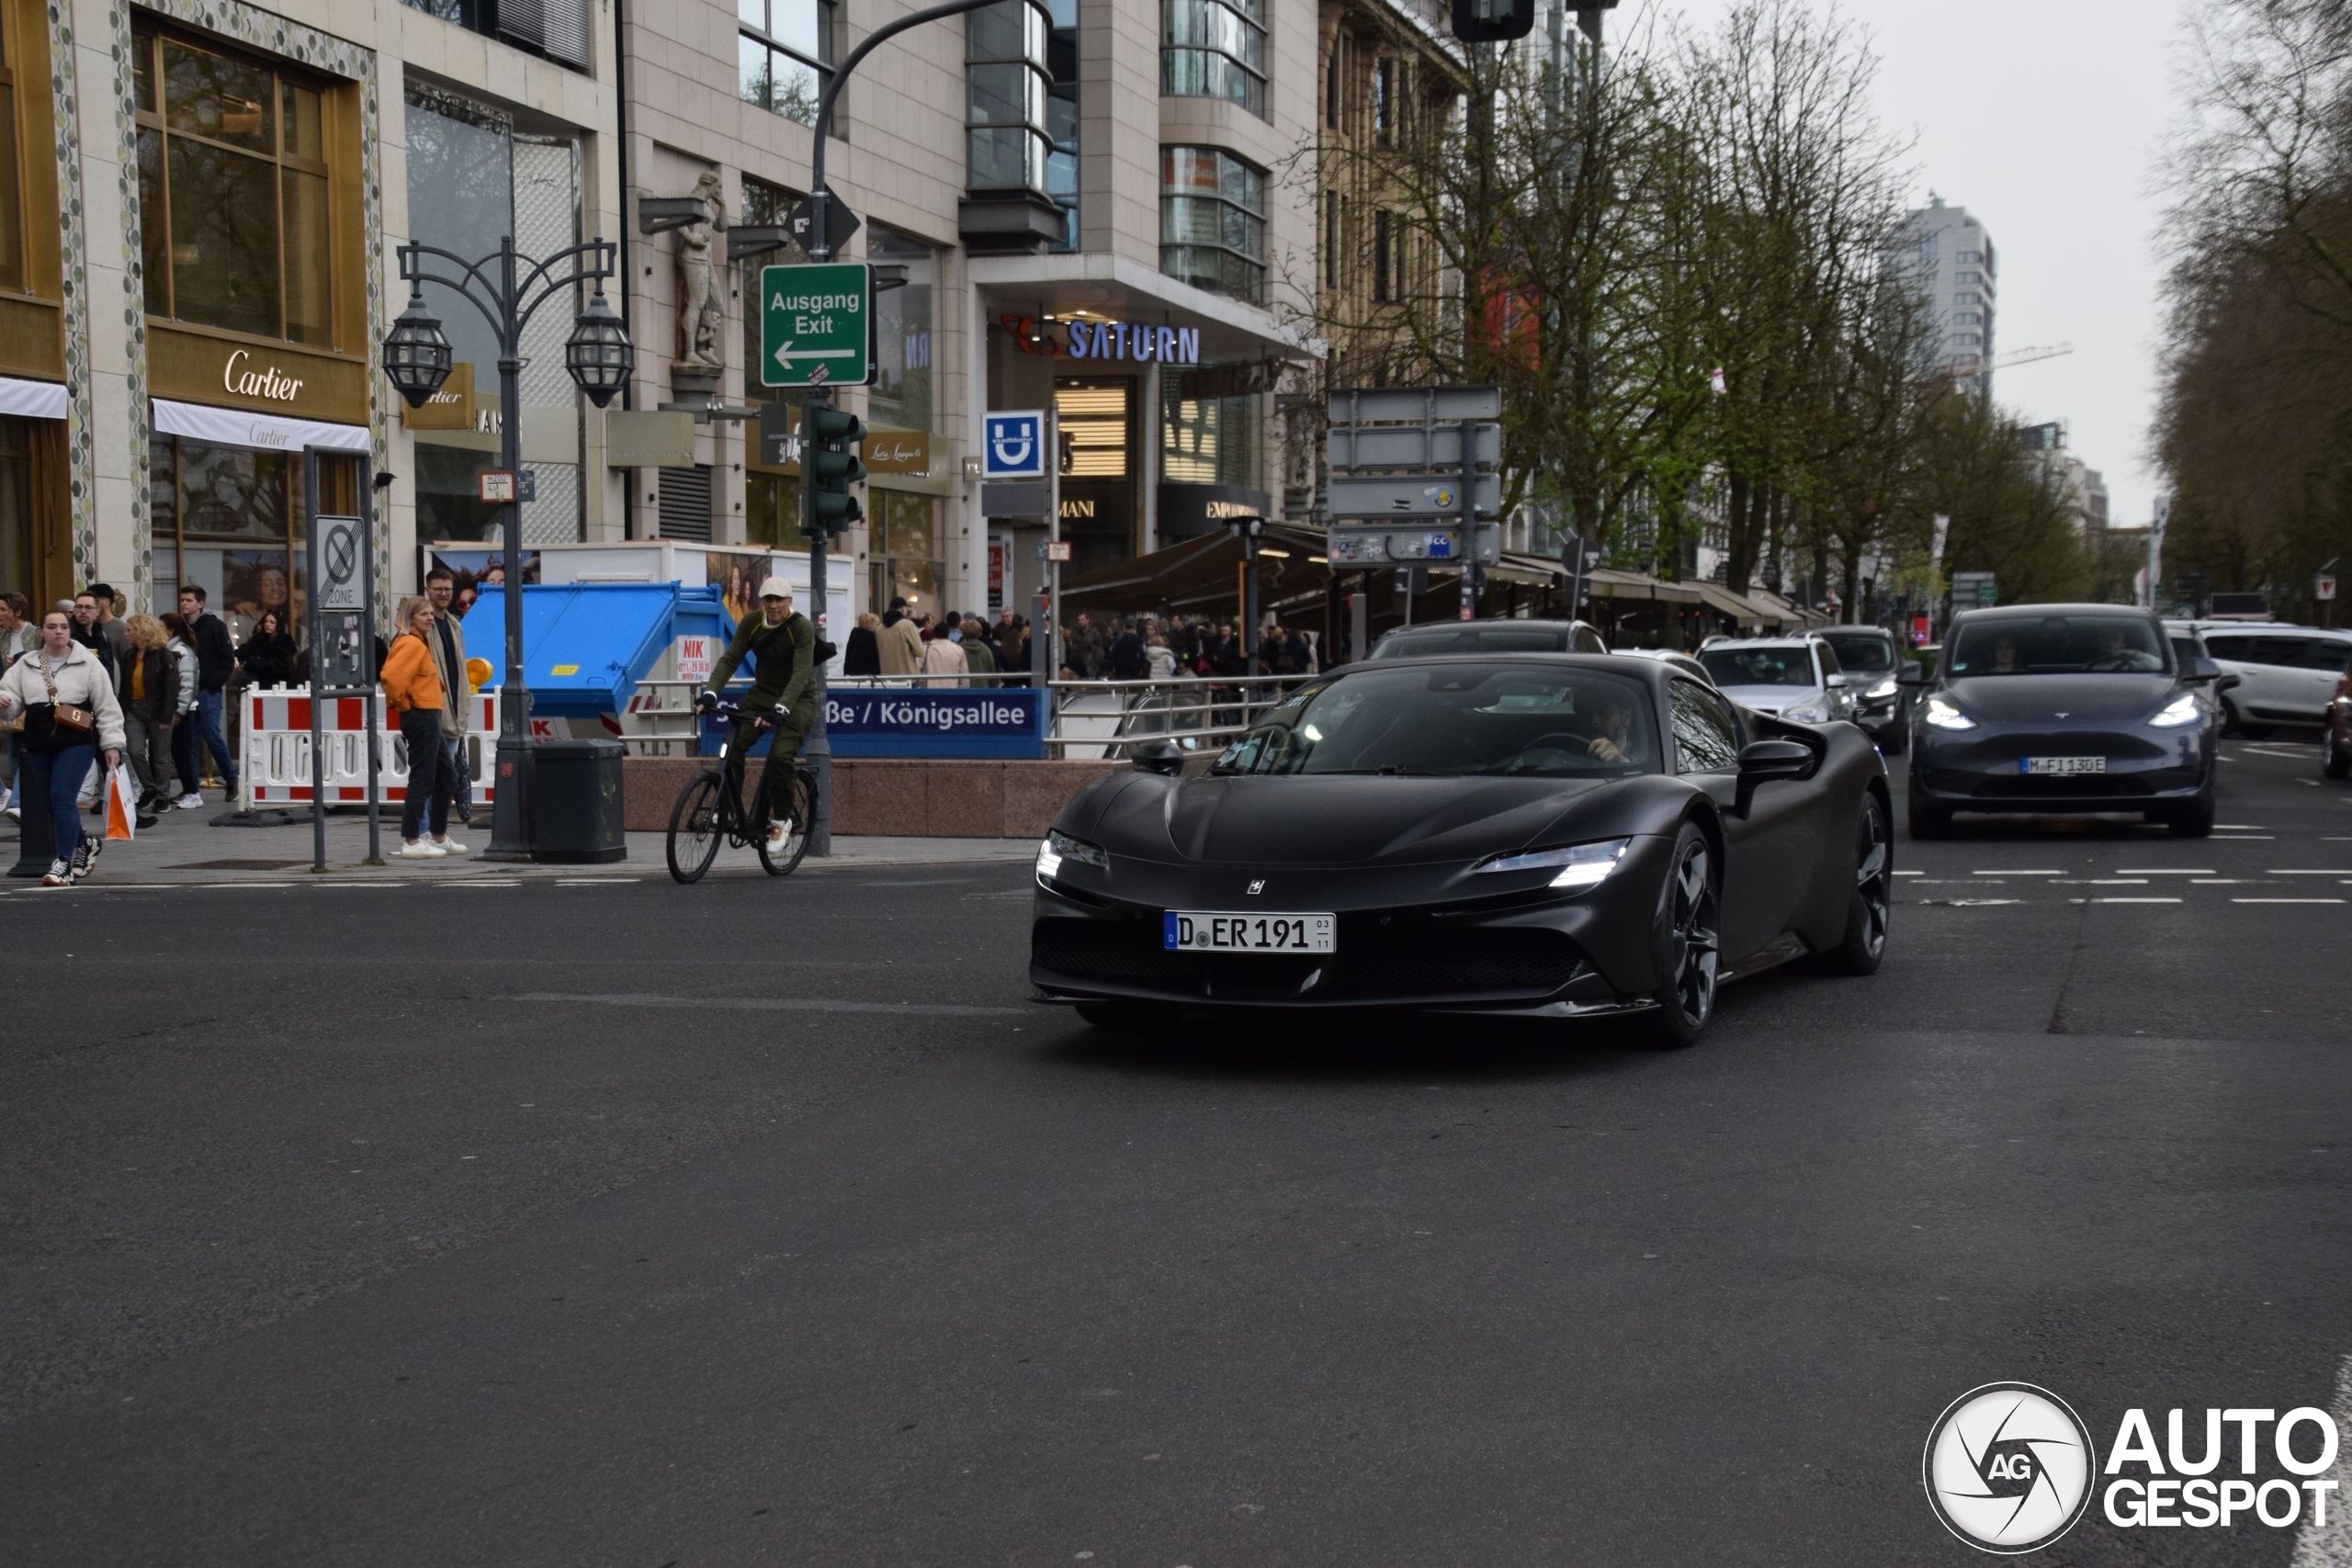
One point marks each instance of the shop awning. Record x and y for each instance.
(261, 432)
(1745, 612)
(1610, 582)
(1200, 576)
(31, 399)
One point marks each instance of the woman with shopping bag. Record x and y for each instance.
(68, 706)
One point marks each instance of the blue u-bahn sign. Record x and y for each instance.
(909, 721)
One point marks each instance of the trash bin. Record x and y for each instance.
(577, 796)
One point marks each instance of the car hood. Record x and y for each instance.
(1769, 699)
(2039, 699)
(1304, 820)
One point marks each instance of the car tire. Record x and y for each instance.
(2194, 820)
(2334, 760)
(1686, 943)
(1863, 946)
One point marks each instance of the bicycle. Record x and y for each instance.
(707, 812)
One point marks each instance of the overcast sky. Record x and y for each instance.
(2043, 119)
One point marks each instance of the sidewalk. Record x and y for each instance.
(184, 848)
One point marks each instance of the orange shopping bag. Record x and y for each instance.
(122, 804)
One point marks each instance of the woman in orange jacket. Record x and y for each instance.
(412, 684)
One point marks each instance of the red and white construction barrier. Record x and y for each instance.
(275, 768)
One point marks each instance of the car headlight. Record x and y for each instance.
(2182, 709)
(1944, 714)
(1810, 711)
(1580, 865)
(1059, 846)
(1884, 689)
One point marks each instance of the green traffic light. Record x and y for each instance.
(829, 467)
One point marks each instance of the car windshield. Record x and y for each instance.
(1470, 639)
(1783, 666)
(1538, 720)
(1861, 653)
(2058, 644)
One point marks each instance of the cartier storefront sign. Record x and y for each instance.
(228, 372)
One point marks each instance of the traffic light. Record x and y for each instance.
(828, 468)
(1493, 21)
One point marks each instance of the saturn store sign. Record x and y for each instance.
(1119, 341)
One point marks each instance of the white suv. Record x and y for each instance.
(2286, 675)
(1794, 678)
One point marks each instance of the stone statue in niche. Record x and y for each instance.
(700, 318)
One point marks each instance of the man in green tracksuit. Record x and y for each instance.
(782, 647)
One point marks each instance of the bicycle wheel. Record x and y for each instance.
(780, 859)
(695, 828)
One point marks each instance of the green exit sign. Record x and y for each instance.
(816, 324)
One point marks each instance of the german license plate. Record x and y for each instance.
(2061, 764)
(1197, 932)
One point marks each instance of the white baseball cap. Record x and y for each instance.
(776, 588)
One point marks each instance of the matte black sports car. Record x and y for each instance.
(1547, 834)
(2064, 708)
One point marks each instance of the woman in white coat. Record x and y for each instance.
(68, 703)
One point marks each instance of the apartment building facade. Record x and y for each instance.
(1958, 271)
(1095, 205)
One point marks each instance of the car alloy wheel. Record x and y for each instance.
(1690, 947)
(1866, 923)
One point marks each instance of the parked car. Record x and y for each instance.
(1501, 635)
(2336, 757)
(1673, 660)
(2287, 674)
(1795, 678)
(2048, 708)
(1874, 663)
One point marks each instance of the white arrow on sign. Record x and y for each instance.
(784, 357)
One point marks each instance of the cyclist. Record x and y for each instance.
(782, 645)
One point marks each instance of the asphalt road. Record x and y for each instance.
(763, 1222)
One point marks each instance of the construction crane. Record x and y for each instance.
(1962, 369)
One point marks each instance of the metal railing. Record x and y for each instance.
(1086, 720)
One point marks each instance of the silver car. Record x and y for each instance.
(2285, 674)
(1795, 678)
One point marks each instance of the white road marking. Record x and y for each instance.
(2163, 871)
(2276, 871)
(2016, 873)
(2239, 827)
(2286, 901)
(2118, 882)
(2114, 900)
(1972, 903)
(484, 881)
(1907, 873)
(2330, 1545)
(215, 885)
(2219, 882)
(596, 881)
(2243, 838)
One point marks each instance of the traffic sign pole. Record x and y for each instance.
(1470, 573)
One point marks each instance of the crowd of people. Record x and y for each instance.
(86, 689)
(952, 649)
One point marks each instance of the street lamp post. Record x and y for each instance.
(508, 289)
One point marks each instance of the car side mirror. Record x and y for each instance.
(1163, 757)
(2227, 684)
(1760, 761)
(2198, 669)
(1911, 673)
(1834, 683)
